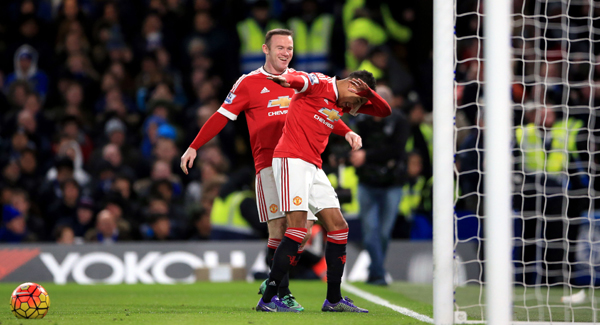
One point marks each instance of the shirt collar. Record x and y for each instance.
(335, 89)
(263, 71)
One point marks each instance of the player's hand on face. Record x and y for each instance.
(187, 160)
(280, 80)
(357, 158)
(354, 140)
(357, 85)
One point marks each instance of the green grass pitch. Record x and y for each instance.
(210, 303)
(233, 303)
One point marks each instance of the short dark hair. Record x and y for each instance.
(64, 162)
(276, 31)
(365, 76)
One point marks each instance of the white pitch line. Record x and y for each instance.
(380, 301)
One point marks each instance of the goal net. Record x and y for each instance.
(555, 93)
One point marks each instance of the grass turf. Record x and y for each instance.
(214, 303)
(233, 303)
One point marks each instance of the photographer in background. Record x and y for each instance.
(381, 171)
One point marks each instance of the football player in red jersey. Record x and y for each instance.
(266, 106)
(314, 112)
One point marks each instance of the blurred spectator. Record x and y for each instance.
(71, 130)
(201, 226)
(64, 235)
(360, 22)
(17, 94)
(65, 210)
(420, 139)
(550, 152)
(153, 35)
(26, 69)
(115, 132)
(20, 200)
(381, 170)
(30, 176)
(107, 231)
(50, 191)
(386, 69)
(251, 33)
(164, 189)
(209, 39)
(158, 118)
(74, 105)
(107, 32)
(112, 153)
(312, 38)
(11, 172)
(234, 215)
(13, 228)
(416, 198)
(470, 159)
(71, 150)
(120, 210)
(161, 170)
(85, 217)
(159, 228)
(33, 32)
(78, 68)
(42, 127)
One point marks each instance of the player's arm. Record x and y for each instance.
(228, 111)
(209, 130)
(297, 82)
(375, 106)
(340, 128)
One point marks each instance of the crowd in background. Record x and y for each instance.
(99, 98)
(555, 96)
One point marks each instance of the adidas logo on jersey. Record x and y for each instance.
(265, 90)
(272, 283)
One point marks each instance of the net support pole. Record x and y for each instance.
(443, 162)
(498, 161)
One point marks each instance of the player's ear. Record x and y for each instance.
(265, 49)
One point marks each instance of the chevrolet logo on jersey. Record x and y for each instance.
(283, 102)
(331, 114)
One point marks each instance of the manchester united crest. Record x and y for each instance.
(273, 208)
(297, 200)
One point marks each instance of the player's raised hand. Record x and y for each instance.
(357, 85)
(280, 80)
(187, 160)
(354, 140)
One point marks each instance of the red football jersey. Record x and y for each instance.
(311, 119)
(266, 105)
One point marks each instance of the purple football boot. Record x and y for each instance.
(344, 305)
(276, 305)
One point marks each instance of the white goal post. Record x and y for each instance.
(533, 67)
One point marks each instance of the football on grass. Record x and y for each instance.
(29, 300)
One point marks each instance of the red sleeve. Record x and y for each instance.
(211, 128)
(237, 100)
(376, 106)
(340, 128)
(298, 82)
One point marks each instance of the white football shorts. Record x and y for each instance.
(267, 200)
(302, 186)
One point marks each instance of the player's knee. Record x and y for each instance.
(277, 228)
(339, 224)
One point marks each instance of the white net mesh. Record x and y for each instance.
(555, 91)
